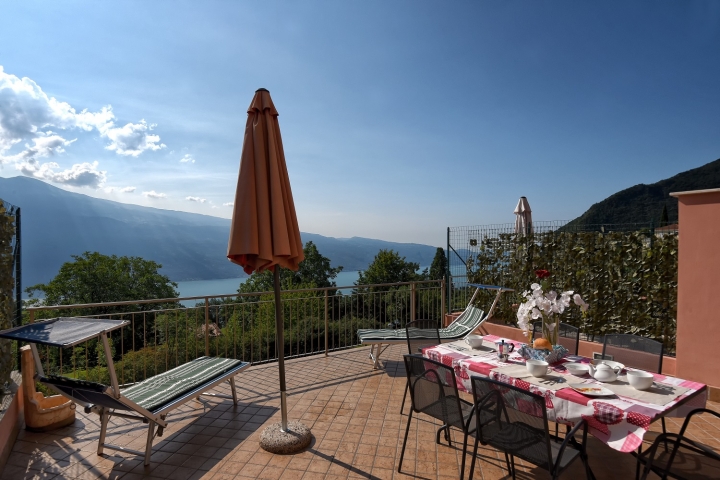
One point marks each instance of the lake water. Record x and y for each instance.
(224, 286)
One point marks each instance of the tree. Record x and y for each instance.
(389, 267)
(438, 268)
(96, 278)
(314, 272)
(664, 222)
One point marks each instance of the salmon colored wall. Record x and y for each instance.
(698, 316)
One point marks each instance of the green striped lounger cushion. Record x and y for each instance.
(467, 322)
(166, 387)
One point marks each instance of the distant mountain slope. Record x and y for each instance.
(642, 203)
(57, 224)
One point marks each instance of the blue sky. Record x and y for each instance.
(398, 118)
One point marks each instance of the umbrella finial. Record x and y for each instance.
(262, 90)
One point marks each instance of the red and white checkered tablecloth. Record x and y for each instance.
(618, 421)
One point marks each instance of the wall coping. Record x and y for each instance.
(695, 192)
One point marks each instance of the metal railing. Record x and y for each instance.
(241, 326)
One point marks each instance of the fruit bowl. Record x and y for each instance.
(550, 356)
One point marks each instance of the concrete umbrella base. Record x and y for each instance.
(274, 440)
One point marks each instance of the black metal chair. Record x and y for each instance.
(634, 351)
(433, 391)
(568, 336)
(420, 334)
(637, 352)
(685, 459)
(520, 429)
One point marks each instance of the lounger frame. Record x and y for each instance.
(378, 346)
(156, 419)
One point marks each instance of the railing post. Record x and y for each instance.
(207, 327)
(32, 316)
(327, 322)
(442, 302)
(413, 297)
(447, 273)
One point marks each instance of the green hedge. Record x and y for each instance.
(628, 278)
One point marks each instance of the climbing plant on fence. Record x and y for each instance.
(628, 278)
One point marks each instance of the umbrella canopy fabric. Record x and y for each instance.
(264, 230)
(523, 217)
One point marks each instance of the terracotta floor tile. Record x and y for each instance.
(352, 410)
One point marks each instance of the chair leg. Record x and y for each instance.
(407, 430)
(233, 390)
(148, 444)
(474, 455)
(104, 418)
(512, 464)
(637, 466)
(662, 421)
(462, 464)
(402, 405)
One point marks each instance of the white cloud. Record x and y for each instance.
(28, 114)
(120, 190)
(229, 204)
(132, 139)
(187, 159)
(44, 145)
(154, 194)
(214, 206)
(80, 175)
(196, 199)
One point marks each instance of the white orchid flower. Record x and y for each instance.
(580, 302)
(552, 295)
(565, 300)
(536, 313)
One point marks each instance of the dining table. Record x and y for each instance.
(619, 418)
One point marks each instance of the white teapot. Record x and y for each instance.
(605, 370)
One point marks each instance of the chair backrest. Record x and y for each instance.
(518, 410)
(634, 351)
(466, 323)
(433, 390)
(421, 334)
(82, 391)
(568, 336)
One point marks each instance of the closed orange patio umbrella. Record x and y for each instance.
(264, 233)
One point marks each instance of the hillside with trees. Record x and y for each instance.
(645, 203)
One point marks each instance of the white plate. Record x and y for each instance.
(591, 390)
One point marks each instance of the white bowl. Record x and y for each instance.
(475, 341)
(577, 369)
(639, 379)
(537, 368)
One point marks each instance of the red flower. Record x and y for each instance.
(542, 273)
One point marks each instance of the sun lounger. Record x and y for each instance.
(466, 323)
(148, 401)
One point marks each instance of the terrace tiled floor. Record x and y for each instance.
(352, 410)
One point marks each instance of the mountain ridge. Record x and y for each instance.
(644, 203)
(190, 246)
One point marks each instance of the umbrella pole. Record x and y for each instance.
(280, 347)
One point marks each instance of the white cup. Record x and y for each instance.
(537, 368)
(475, 341)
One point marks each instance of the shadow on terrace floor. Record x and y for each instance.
(353, 411)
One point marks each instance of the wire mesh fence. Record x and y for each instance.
(10, 281)
(627, 271)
